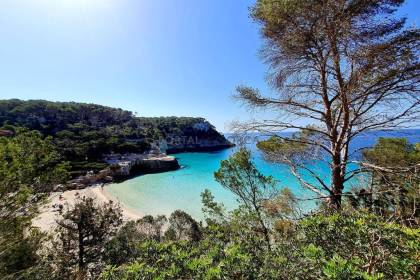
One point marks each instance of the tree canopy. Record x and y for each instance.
(83, 133)
(342, 66)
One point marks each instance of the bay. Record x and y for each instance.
(162, 193)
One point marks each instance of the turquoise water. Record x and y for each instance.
(165, 192)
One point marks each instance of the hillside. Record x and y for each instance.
(85, 132)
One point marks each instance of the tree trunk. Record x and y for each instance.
(266, 234)
(337, 183)
(265, 230)
(81, 261)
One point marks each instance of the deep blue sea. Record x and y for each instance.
(165, 192)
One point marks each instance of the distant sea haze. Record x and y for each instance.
(163, 193)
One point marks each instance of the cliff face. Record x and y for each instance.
(198, 136)
(124, 166)
(155, 165)
(129, 165)
(200, 145)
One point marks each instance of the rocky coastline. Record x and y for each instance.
(198, 148)
(125, 166)
(130, 165)
(197, 144)
(121, 167)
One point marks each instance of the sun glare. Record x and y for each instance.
(83, 4)
(69, 6)
(62, 10)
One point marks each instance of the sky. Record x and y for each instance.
(152, 57)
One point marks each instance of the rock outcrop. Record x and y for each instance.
(128, 165)
(201, 146)
(200, 136)
(207, 143)
(124, 166)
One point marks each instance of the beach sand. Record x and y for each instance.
(49, 214)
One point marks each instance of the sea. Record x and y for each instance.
(163, 193)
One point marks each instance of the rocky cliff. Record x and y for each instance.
(129, 165)
(200, 145)
(124, 166)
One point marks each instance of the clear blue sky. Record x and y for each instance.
(153, 57)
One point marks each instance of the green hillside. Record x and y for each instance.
(83, 132)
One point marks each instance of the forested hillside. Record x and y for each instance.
(84, 132)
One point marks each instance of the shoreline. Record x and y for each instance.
(104, 197)
(46, 220)
(48, 215)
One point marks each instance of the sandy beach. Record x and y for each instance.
(49, 214)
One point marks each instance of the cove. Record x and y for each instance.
(162, 193)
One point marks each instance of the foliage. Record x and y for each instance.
(82, 234)
(213, 211)
(393, 152)
(29, 167)
(29, 161)
(368, 248)
(274, 146)
(182, 227)
(344, 67)
(393, 165)
(367, 242)
(152, 227)
(239, 175)
(85, 132)
(122, 248)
